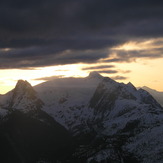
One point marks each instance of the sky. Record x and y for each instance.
(43, 40)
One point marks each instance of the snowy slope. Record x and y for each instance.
(22, 97)
(67, 99)
(156, 94)
(130, 118)
(114, 122)
(111, 110)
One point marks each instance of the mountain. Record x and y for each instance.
(96, 119)
(28, 134)
(156, 94)
(33, 137)
(67, 99)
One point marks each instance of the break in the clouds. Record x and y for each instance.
(44, 33)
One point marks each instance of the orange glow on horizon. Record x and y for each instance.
(143, 71)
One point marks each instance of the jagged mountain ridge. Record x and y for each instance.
(28, 134)
(111, 121)
(109, 111)
(156, 94)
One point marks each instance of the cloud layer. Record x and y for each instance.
(44, 33)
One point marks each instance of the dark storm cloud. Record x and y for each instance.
(108, 71)
(132, 55)
(119, 78)
(39, 32)
(47, 56)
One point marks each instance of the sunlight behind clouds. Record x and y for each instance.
(142, 59)
(141, 45)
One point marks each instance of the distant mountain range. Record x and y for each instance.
(84, 120)
(156, 94)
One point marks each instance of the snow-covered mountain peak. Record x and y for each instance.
(131, 85)
(22, 82)
(114, 121)
(24, 97)
(23, 88)
(22, 85)
(95, 74)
